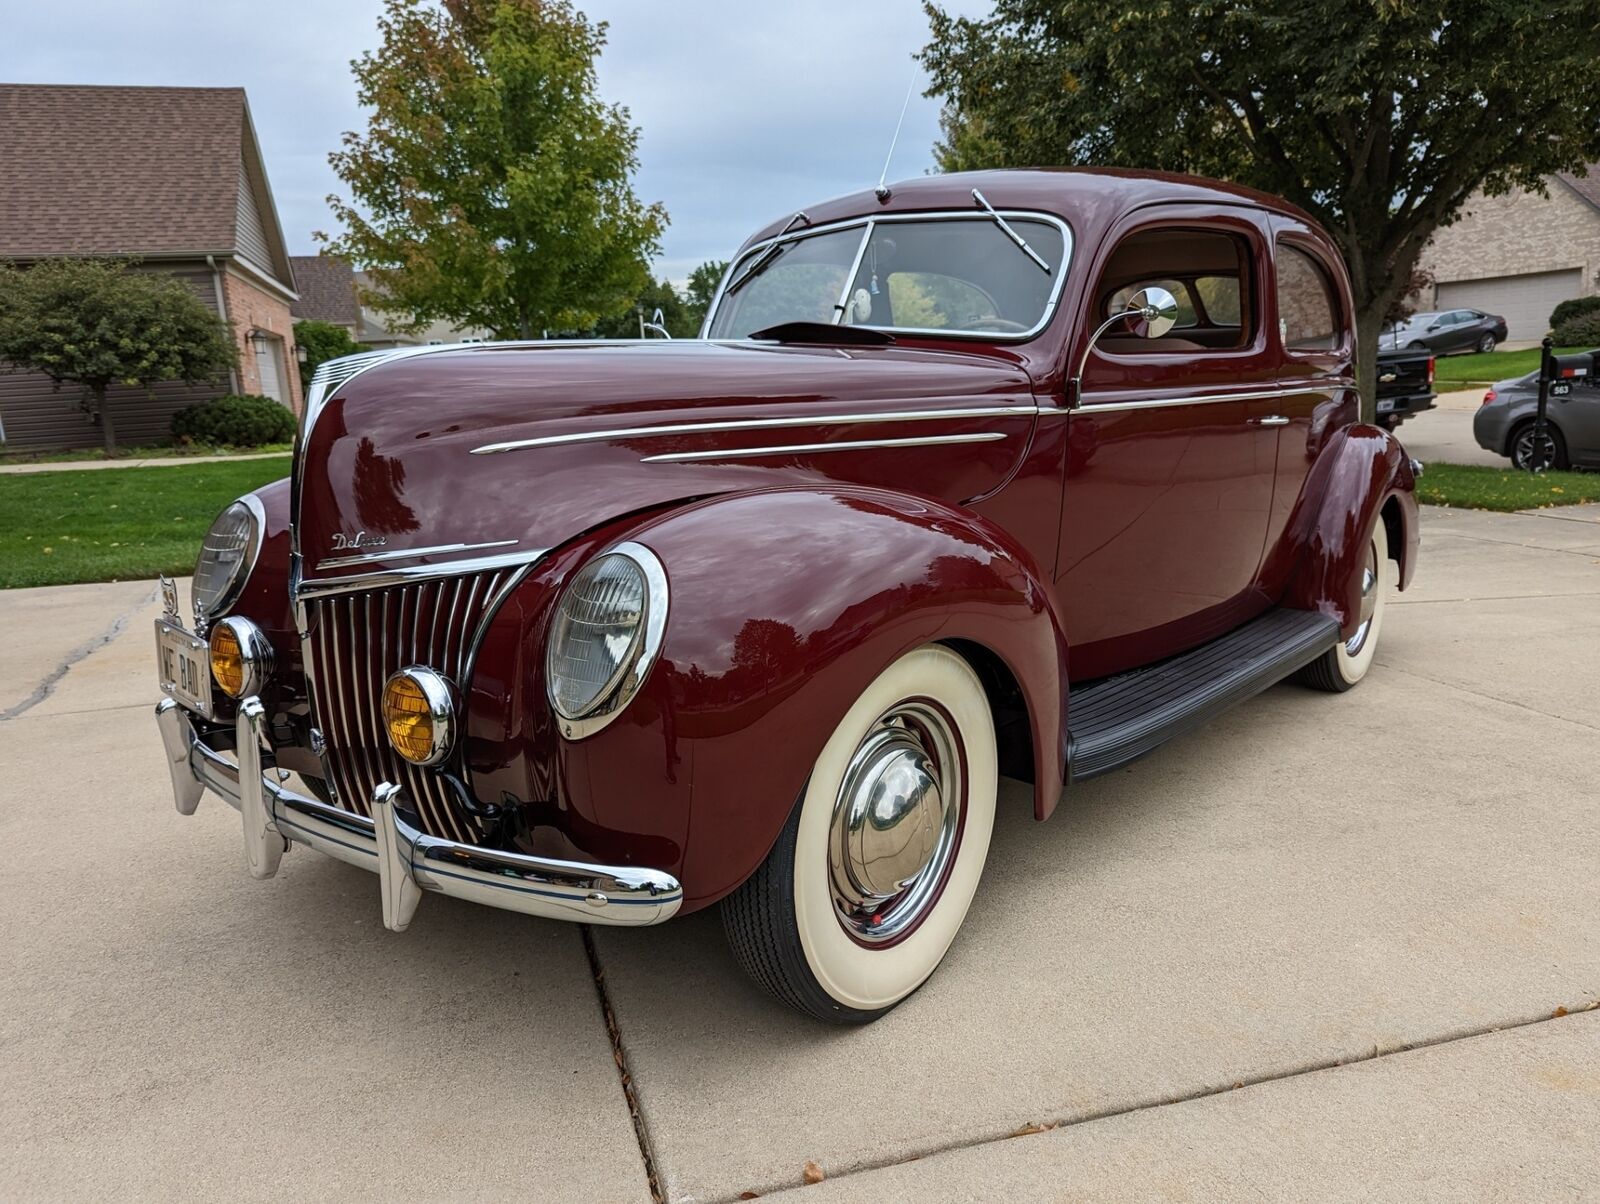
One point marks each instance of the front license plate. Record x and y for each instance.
(184, 666)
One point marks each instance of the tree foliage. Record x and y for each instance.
(1378, 117)
(98, 323)
(321, 341)
(493, 187)
(657, 295)
(702, 288)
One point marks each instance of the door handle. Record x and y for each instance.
(1271, 420)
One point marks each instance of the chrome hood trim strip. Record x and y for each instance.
(402, 553)
(419, 572)
(744, 453)
(754, 424)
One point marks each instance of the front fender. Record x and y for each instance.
(784, 605)
(1362, 477)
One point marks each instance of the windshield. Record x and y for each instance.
(948, 275)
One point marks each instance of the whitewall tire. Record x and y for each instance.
(870, 880)
(1347, 662)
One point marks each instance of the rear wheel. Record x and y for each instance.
(1347, 662)
(870, 880)
(1486, 343)
(1531, 452)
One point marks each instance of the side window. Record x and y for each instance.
(1208, 272)
(1307, 318)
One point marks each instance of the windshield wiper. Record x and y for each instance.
(1022, 243)
(766, 258)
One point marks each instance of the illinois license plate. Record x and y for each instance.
(184, 667)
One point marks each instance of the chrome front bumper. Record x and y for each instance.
(406, 860)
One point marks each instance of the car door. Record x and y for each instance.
(1316, 372)
(1168, 482)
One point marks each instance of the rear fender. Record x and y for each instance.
(1361, 478)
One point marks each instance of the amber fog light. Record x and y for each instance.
(419, 715)
(241, 657)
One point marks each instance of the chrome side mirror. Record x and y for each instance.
(1150, 313)
(1157, 312)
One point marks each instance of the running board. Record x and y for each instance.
(1119, 720)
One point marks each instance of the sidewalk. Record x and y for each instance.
(152, 462)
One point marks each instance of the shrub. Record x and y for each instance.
(238, 420)
(1580, 330)
(1573, 307)
(322, 341)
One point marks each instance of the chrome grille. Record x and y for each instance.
(354, 641)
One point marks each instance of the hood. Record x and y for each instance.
(510, 449)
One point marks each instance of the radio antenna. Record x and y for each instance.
(882, 190)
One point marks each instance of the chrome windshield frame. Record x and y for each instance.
(869, 222)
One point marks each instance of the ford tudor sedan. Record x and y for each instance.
(1014, 473)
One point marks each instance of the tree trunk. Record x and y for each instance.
(108, 428)
(1369, 325)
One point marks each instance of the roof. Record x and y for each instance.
(1070, 192)
(327, 288)
(153, 172)
(1588, 187)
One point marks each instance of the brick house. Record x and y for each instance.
(1521, 253)
(172, 177)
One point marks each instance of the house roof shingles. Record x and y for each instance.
(1588, 187)
(327, 288)
(119, 170)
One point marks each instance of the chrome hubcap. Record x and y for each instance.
(895, 822)
(1369, 600)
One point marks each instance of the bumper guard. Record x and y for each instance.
(406, 860)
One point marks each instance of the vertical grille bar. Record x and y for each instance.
(354, 642)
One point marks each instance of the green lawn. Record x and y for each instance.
(1468, 371)
(1473, 487)
(116, 524)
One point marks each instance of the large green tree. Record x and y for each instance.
(493, 187)
(702, 287)
(1379, 117)
(321, 341)
(97, 323)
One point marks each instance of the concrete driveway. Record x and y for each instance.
(1443, 435)
(1328, 947)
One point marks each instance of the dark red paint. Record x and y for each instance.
(1082, 543)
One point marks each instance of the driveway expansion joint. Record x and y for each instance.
(52, 679)
(1030, 1127)
(619, 1055)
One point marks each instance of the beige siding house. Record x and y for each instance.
(1519, 254)
(172, 177)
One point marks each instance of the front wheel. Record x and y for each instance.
(866, 887)
(1347, 662)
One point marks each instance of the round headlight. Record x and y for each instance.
(228, 551)
(607, 630)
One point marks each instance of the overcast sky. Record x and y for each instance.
(747, 110)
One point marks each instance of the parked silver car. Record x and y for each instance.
(1504, 424)
(1446, 331)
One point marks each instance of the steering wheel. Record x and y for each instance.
(997, 325)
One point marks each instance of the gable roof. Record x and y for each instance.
(1588, 187)
(154, 172)
(327, 288)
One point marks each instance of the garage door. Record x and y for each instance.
(1524, 301)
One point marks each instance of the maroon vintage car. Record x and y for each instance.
(1013, 473)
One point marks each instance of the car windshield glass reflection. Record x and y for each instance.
(949, 275)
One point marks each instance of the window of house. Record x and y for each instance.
(1307, 315)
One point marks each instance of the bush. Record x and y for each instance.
(1581, 330)
(322, 341)
(1572, 308)
(238, 420)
